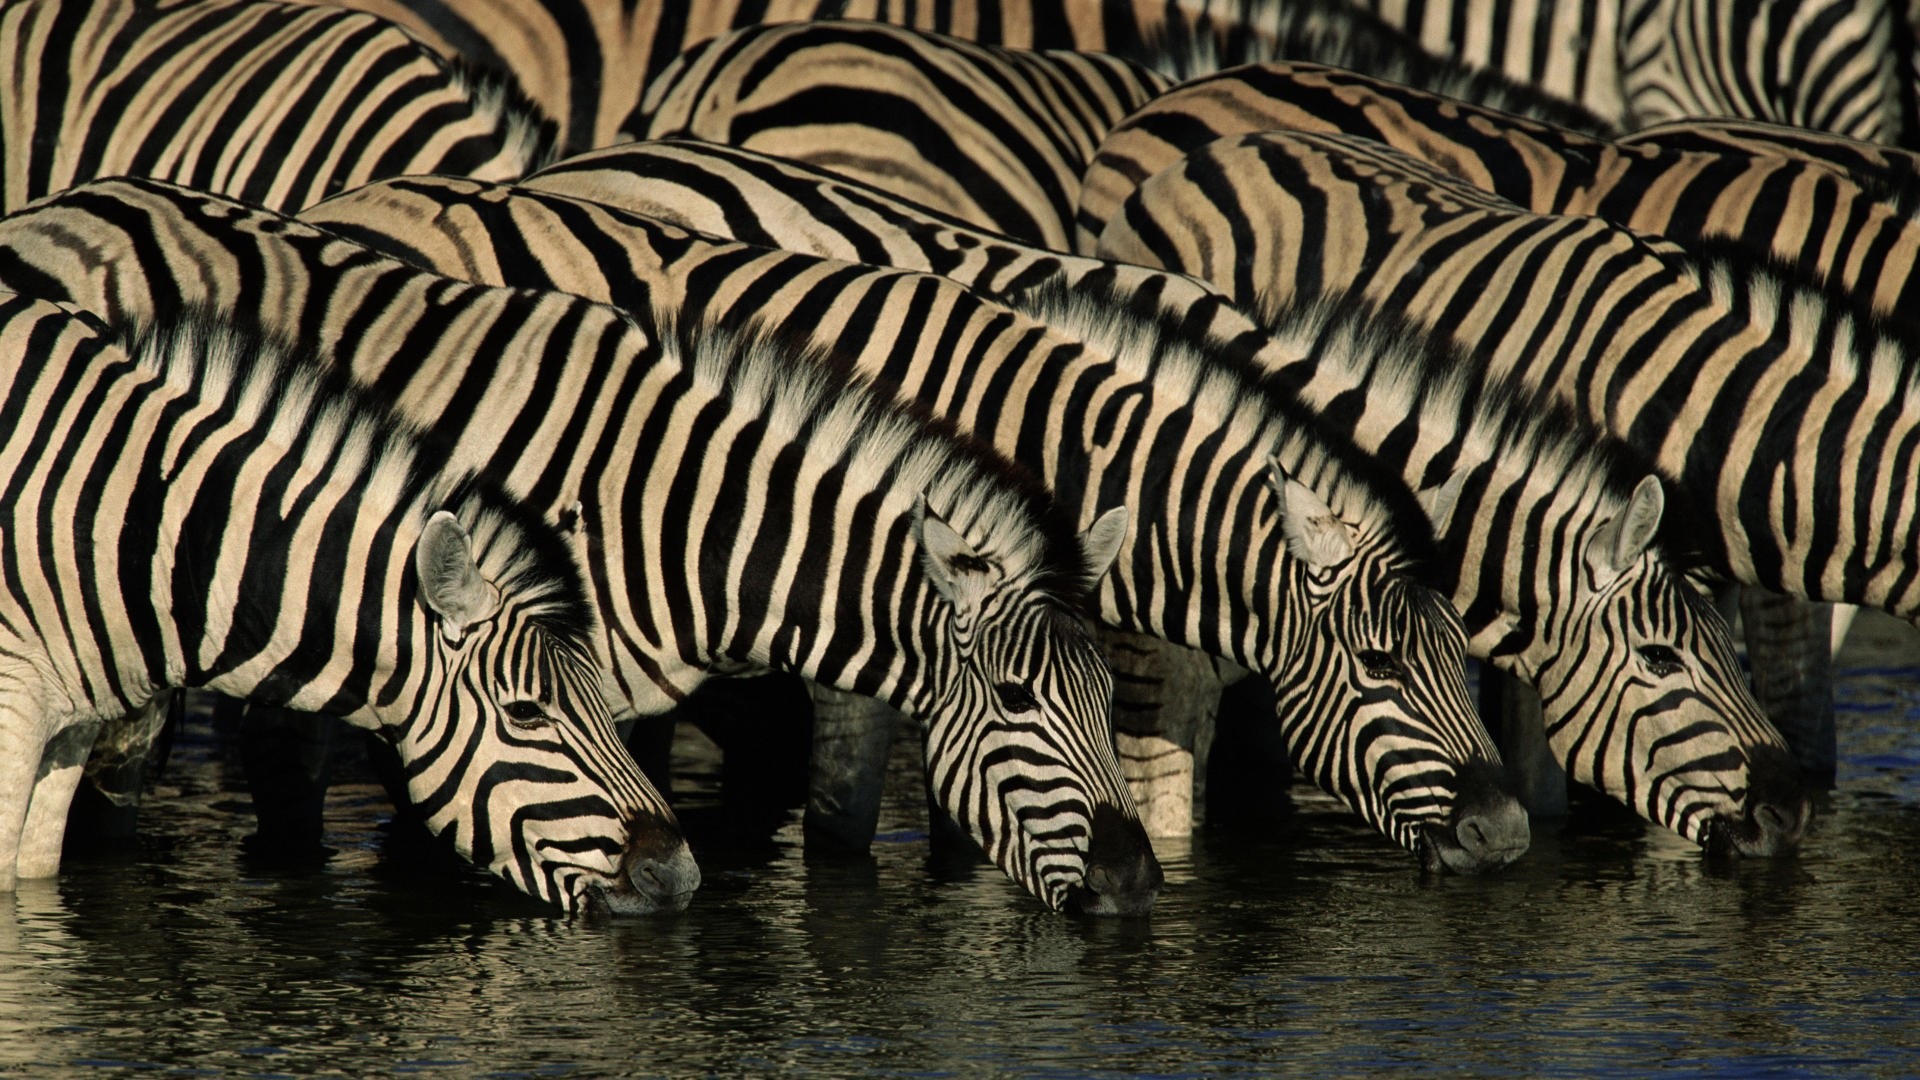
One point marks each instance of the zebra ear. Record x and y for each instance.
(450, 580)
(1620, 541)
(1101, 542)
(960, 573)
(1439, 500)
(1313, 534)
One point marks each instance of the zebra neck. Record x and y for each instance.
(280, 582)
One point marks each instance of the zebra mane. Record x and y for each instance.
(810, 394)
(1426, 373)
(526, 131)
(285, 391)
(1344, 36)
(1186, 368)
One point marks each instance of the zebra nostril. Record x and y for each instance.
(1101, 880)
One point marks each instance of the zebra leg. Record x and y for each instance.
(1165, 701)
(106, 806)
(852, 740)
(1512, 712)
(1245, 778)
(1790, 646)
(761, 722)
(62, 762)
(288, 759)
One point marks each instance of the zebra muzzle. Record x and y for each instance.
(657, 873)
(1123, 877)
(1775, 814)
(1488, 829)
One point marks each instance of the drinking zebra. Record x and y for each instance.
(1820, 206)
(1307, 584)
(192, 507)
(823, 530)
(1776, 407)
(1545, 484)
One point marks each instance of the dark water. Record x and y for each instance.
(1318, 950)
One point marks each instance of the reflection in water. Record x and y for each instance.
(1609, 948)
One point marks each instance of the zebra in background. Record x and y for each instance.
(1889, 172)
(997, 136)
(1782, 412)
(1830, 65)
(277, 104)
(1818, 218)
(947, 586)
(1518, 614)
(152, 482)
(588, 65)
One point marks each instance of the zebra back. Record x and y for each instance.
(1821, 219)
(1164, 435)
(172, 502)
(1819, 64)
(998, 136)
(1774, 404)
(945, 585)
(1522, 603)
(277, 104)
(1889, 172)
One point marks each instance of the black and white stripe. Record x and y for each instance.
(277, 104)
(998, 136)
(815, 528)
(193, 509)
(1828, 220)
(1829, 65)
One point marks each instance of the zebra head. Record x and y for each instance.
(513, 754)
(1372, 696)
(1644, 697)
(1019, 740)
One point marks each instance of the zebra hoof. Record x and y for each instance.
(1123, 878)
(1489, 828)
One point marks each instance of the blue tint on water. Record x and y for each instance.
(1312, 948)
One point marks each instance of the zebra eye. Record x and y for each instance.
(1014, 698)
(1379, 665)
(527, 714)
(1661, 660)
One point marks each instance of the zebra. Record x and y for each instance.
(1889, 172)
(1808, 201)
(948, 585)
(1295, 581)
(153, 480)
(277, 104)
(1781, 411)
(1518, 615)
(1815, 217)
(588, 65)
(1828, 65)
(1000, 136)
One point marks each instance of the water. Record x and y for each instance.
(1315, 950)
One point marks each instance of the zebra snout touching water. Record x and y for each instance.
(171, 500)
(736, 499)
(1573, 561)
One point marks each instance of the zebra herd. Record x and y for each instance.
(489, 375)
